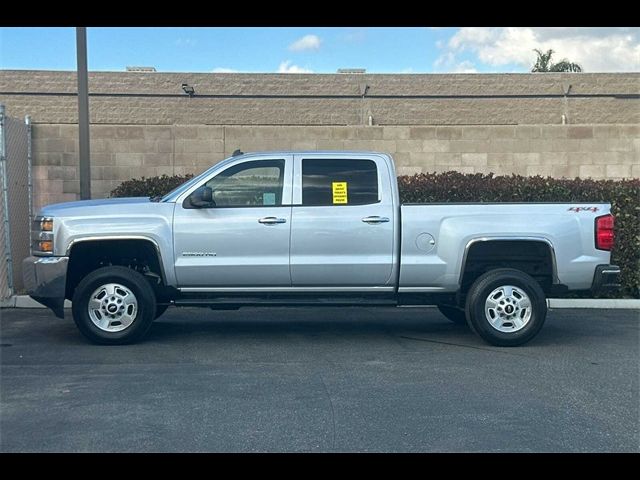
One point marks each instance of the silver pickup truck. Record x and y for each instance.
(313, 228)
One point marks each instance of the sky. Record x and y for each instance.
(322, 50)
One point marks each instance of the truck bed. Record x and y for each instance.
(436, 237)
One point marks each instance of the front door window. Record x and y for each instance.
(249, 184)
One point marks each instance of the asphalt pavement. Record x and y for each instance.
(320, 380)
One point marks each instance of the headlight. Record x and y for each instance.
(42, 236)
(46, 224)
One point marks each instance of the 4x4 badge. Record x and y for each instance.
(583, 209)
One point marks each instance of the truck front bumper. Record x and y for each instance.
(605, 278)
(45, 280)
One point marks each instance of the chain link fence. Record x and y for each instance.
(15, 201)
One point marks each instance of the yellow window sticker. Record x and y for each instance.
(339, 192)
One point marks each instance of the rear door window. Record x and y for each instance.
(329, 182)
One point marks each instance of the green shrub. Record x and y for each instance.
(149, 187)
(624, 196)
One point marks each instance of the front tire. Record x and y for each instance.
(113, 306)
(506, 307)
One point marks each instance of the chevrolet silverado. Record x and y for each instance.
(313, 228)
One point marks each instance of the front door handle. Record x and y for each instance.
(375, 219)
(272, 220)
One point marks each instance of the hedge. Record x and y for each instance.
(149, 187)
(624, 196)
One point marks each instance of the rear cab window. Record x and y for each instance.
(339, 182)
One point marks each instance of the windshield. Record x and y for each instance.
(175, 193)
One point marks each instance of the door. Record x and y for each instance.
(242, 239)
(342, 222)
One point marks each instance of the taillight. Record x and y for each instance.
(604, 232)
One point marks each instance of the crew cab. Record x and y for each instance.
(316, 229)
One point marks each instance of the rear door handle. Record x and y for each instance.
(375, 219)
(272, 220)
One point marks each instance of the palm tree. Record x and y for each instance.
(544, 64)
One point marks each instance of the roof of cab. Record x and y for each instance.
(312, 152)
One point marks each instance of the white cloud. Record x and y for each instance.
(287, 67)
(447, 63)
(308, 42)
(605, 49)
(224, 70)
(464, 67)
(407, 70)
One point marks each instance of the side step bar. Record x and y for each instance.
(282, 301)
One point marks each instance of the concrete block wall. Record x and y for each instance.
(122, 152)
(326, 99)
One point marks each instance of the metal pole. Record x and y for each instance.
(5, 200)
(83, 114)
(27, 122)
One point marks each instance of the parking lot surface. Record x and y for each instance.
(320, 379)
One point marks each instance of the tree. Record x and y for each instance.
(544, 64)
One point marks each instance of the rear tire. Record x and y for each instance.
(114, 305)
(506, 307)
(454, 314)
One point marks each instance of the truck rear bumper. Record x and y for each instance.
(45, 280)
(605, 278)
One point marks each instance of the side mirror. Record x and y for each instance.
(207, 195)
(202, 198)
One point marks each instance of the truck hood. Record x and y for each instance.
(135, 217)
(91, 206)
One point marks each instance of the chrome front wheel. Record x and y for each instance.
(112, 307)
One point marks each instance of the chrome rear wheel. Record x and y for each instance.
(508, 309)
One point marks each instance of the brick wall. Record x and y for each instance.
(121, 152)
(326, 99)
(144, 125)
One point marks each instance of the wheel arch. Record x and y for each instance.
(543, 250)
(86, 254)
